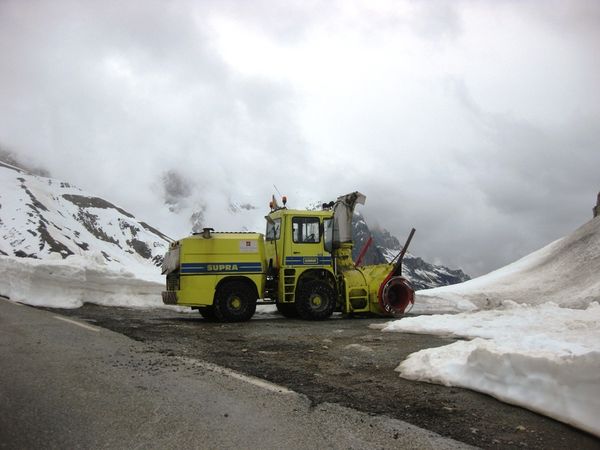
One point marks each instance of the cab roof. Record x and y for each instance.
(228, 235)
(300, 212)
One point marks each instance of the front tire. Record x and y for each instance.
(234, 302)
(315, 300)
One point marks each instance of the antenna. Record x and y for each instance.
(277, 190)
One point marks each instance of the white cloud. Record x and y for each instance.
(476, 122)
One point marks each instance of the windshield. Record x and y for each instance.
(273, 230)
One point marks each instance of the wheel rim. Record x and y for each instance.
(316, 301)
(235, 302)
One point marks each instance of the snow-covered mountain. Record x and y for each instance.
(44, 218)
(386, 247)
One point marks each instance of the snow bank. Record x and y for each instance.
(73, 281)
(535, 330)
(544, 357)
(564, 272)
(76, 280)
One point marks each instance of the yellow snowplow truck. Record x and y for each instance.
(303, 264)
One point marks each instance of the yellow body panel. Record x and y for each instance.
(361, 288)
(376, 274)
(204, 262)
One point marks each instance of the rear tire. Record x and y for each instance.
(315, 300)
(234, 302)
(287, 310)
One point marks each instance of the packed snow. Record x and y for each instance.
(543, 357)
(534, 330)
(70, 282)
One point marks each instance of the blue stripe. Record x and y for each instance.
(219, 268)
(308, 260)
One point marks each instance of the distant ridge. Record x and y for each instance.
(45, 218)
(385, 247)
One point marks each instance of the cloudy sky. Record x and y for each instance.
(476, 122)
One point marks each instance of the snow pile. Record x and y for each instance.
(565, 272)
(76, 280)
(534, 327)
(71, 282)
(543, 357)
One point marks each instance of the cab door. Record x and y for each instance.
(305, 249)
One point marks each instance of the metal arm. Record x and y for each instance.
(398, 267)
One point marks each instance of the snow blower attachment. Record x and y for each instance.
(388, 293)
(395, 293)
(302, 264)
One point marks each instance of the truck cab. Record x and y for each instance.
(298, 252)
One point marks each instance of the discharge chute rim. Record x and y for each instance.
(397, 294)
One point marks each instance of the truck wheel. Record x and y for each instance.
(208, 312)
(315, 300)
(287, 310)
(234, 302)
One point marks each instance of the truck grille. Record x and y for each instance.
(173, 281)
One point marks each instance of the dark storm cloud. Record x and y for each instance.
(528, 169)
(520, 188)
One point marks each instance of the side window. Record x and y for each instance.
(305, 230)
(273, 230)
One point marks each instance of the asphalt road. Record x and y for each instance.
(339, 361)
(67, 384)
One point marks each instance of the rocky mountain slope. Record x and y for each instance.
(44, 218)
(385, 247)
